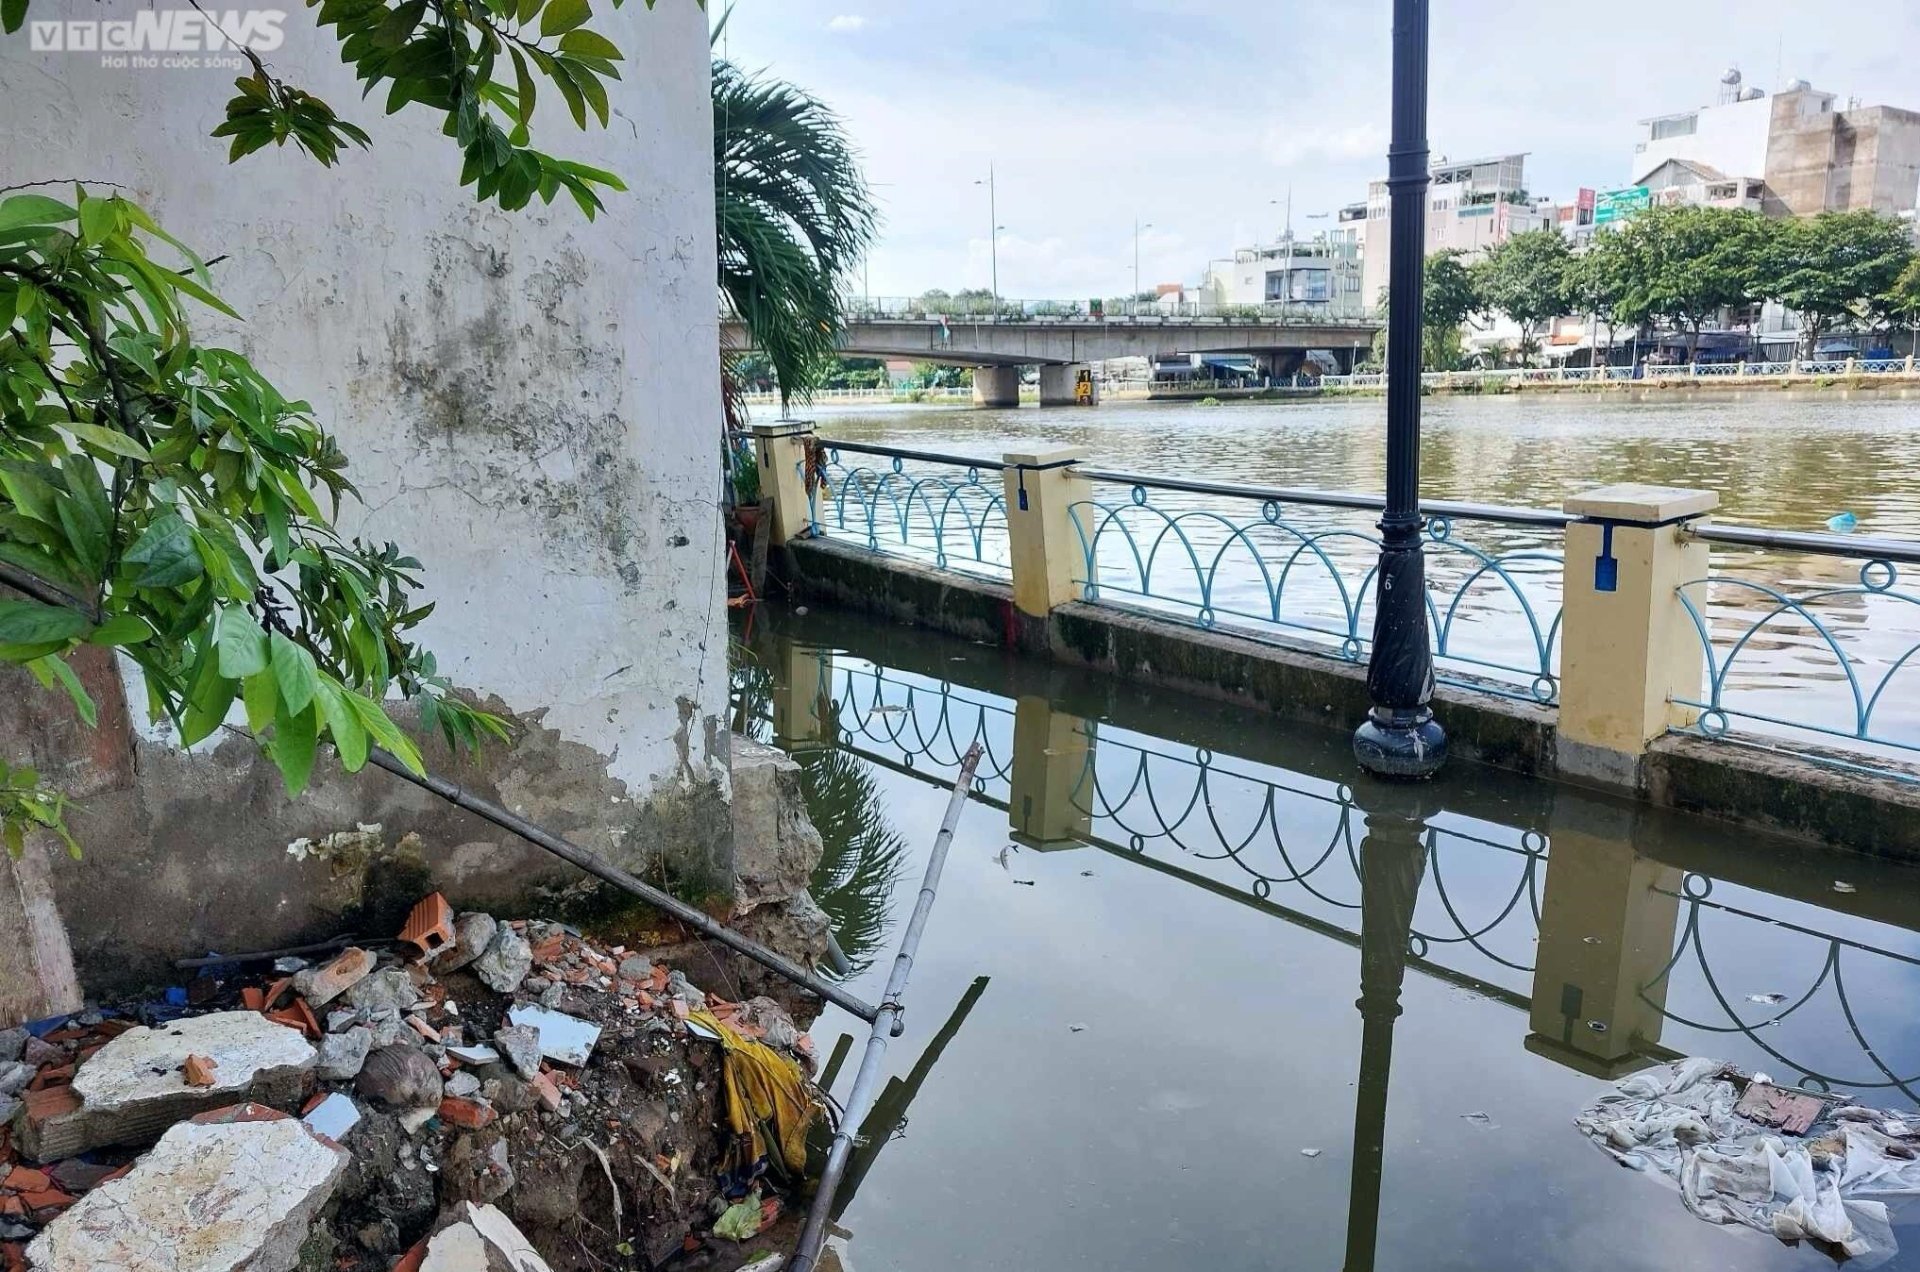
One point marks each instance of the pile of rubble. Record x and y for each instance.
(475, 1095)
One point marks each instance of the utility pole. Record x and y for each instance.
(1137, 227)
(993, 237)
(1400, 738)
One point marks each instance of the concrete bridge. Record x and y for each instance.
(1062, 338)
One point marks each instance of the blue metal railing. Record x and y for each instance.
(1310, 580)
(1739, 618)
(952, 520)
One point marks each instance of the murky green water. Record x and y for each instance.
(1209, 947)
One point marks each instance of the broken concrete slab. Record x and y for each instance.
(342, 1054)
(472, 933)
(564, 1039)
(507, 961)
(391, 990)
(520, 1044)
(135, 1087)
(775, 844)
(210, 1197)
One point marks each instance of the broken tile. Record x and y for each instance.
(333, 1116)
(1774, 1106)
(134, 1087)
(238, 1195)
(321, 985)
(474, 1054)
(429, 928)
(564, 1039)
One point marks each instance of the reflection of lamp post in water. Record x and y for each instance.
(1393, 860)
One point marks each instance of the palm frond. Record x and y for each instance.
(794, 217)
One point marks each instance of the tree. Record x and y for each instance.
(1527, 278)
(157, 497)
(794, 217)
(1685, 264)
(1832, 266)
(1902, 301)
(452, 57)
(1450, 297)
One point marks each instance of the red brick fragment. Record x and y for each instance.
(27, 1179)
(47, 1199)
(429, 928)
(412, 1259)
(253, 998)
(247, 1112)
(49, 1102)
(471, 1114)
(198, 1071)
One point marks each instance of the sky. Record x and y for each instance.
(1196, 119)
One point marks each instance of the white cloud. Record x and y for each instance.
(846, 22)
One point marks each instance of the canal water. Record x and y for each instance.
(1197, 995)
(1301, 573)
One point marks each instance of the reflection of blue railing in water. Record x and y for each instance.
(955, 520)
(1272, 576)
(1733, 617)
(1201, 807)
(1695, 891)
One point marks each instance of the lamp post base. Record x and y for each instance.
(1400, 746)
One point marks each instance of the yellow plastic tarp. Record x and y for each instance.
(767, 1097)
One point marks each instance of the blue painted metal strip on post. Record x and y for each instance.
(1606, 567)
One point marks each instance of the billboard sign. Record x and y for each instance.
(1619, 205)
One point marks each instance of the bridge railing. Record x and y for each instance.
(987, 309)
(1803, 642)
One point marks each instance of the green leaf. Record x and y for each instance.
(32, 209)
(589, 44)
(399, 24)
(207, 702)
(99, 220)
(58, 669)
(261, 695)
(122, 629)
(31, 623)
(167, 550)
(291, 750)
(294, 671)
(111, 440)
(564, 15)
(349, 735)
(386, 733)
(12, 14)
(243, 646)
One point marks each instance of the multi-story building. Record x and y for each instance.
(1321, 271)
(1790, 153)
(1472, 207)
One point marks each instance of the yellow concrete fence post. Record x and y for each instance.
(781, 450)
(1044, 530)
(1050, 803)
(1627, 642)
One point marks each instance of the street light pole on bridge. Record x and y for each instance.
(1400, 738)
(993, 239)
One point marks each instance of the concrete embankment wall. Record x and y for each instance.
(1855, 811)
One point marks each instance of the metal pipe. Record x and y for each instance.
(887, 1022)
(458, 795)
(1858, 547)
(900, 452)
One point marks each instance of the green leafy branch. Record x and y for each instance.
(451, 56)
(158, 497)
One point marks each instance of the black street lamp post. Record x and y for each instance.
(1400, 738)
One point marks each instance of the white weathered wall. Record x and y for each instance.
(530, 402)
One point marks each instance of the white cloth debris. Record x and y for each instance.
(1676, 1122)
